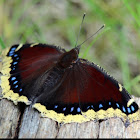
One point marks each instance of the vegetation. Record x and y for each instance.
(115, 48)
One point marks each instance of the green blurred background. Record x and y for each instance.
(115, 48)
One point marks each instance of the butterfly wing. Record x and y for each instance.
(22, 64)
(85, 92)
(60, 102)
(102, 96)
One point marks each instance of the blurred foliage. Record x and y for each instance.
(115, 48)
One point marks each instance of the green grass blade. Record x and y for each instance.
(2, 44)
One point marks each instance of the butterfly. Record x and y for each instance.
(62, 86)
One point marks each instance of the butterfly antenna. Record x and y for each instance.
(91, 36)
(80, 29)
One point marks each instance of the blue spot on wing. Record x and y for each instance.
(16, 86)
(78, 109)
(13, 69)
(13, 78)
(109, 103)
(15, 63)
(88, 107)
(92, 107)
(20, 89)
(13, 49)
(117, 105)
(132, 108)
(129, 110)
(15, 55)
(100, 105)
(72, 108)
(64, 108)
(56, 106)
(123, 108)
(10, 54)
(15, 82)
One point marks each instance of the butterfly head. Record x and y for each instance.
(69, 58)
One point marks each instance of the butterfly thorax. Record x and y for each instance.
(68, 58)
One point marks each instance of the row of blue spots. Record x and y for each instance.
(129, 109)
(16, 56)
(123, 108)
(12, 51)
(15, 83)
(71, 109)
(14, 64)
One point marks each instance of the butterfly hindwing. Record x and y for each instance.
(86, 92)
(61, 103)
(104, 96)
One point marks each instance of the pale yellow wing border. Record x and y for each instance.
(6, 91)
(86, 116)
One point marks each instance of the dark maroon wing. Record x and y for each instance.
(59, 98)
(25, 63)
(101, 91)
(34, 60)
(85, 92)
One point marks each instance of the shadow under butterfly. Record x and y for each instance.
(63, 86)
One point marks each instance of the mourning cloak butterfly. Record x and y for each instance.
(62, 86)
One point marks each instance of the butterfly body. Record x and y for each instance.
(63, 86)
